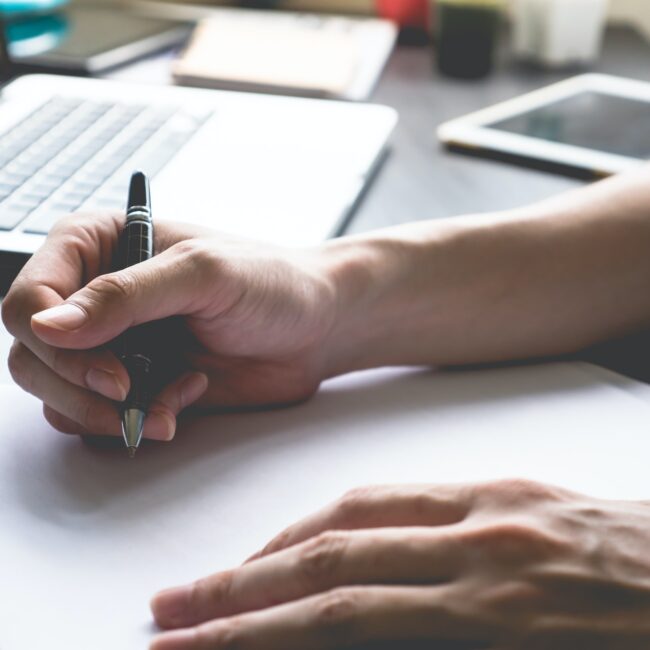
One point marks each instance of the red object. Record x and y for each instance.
(406, 13)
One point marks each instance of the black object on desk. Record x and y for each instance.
(466, 36)
(81, 39)
(133, 346)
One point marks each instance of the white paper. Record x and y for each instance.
(87, 537)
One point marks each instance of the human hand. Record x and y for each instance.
(509, 565)
(249, 326)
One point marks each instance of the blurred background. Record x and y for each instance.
(430, 61)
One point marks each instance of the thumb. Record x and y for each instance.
(110, 304)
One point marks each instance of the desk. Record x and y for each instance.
(420, 180)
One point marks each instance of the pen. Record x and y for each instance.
(135, 246)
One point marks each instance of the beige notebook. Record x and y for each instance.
(287, 53)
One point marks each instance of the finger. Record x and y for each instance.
(94, 414)
(381, 506)
(166, 285)
(82, 246)
(61, 423)
(339, 618)
(173, 399)
(176, 397)
(98, 370)
(333, 559)
(77, 250)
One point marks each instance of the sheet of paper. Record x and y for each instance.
(86, 536)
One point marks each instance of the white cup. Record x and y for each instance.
(557, 33)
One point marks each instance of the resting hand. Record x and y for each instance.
(501, 566)
(250, 327)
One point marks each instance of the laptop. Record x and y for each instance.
(281, 170)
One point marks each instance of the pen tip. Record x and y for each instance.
(132, 451)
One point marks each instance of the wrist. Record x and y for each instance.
(411, 295)
(375, 283)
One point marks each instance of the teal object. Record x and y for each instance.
(14, 7)
(34, 35)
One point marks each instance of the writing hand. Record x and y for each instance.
(509, 565)
(253, 321)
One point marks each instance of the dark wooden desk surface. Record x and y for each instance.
(421, 180)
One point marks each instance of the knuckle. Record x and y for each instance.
(520, 487)
(336, 613)
(82, 413)
(227, 635)
(212, 591)
(512, 598)
(115, 286)
(55, 420)
(204, 262)
(69, 223)
(17, 366)
(196, 253)
(514, 493)
(320, 557)
(513, 541)
(279, 542)
(56, 360)
(433, 503)
(185, 248)
(354, 502)
(12, 308)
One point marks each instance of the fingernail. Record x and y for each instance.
(66, 317)
(170, 607)
(192, 388)
(177, 640)
(106, 383)
(159, 426)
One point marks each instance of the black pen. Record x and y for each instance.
(135, 246)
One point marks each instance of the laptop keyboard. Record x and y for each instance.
(74, 153)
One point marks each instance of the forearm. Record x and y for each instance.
(547, 279)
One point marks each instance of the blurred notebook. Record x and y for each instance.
(287, 53)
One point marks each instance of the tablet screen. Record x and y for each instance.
(593, 120)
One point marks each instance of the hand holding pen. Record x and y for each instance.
(249, 323)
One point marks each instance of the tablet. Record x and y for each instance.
(87, 39)
(590, 125)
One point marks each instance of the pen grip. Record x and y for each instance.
(139, 368)
(136, 244)
(135, 346)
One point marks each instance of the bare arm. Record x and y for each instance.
(269, 324)
(546, 279)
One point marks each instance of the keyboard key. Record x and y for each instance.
(43, 224)
(38, 192)
(86, 188)
(25, 201)
(11, 216)
(7, 187)
(75, 198)
(10, 180)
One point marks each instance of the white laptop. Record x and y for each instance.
(282, 170)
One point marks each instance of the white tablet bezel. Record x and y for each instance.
(472, 132)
